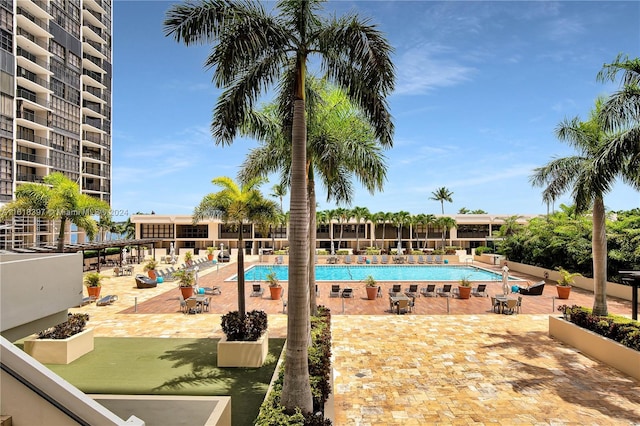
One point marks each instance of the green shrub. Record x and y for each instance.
(322, 252)
(342, 252)
(483, 249)
(247, 329)
(622, 330)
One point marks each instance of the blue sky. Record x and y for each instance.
(480, 88)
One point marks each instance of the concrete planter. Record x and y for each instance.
(243, 354)
(60, 351)
(596, 346)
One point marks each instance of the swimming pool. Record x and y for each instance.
(380, 273)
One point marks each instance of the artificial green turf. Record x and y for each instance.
(171, 367)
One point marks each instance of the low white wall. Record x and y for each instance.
(163, 410)
(613, 289)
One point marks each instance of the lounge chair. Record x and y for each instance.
(347, 259)
(335, 290)
(480, 291)
(374, 260)
(533, 290)
(429, 258)
(347, 292)
(384, 259)
(411, 260)
(278, 260)
(257, 291)
(211, 290)
(87, 300)
(429, 290)
(360, 260)
(412, 291)
(107, 300)
(145, 282)
(397, 288)
(438, 259)
(421, 260)
(445, 291)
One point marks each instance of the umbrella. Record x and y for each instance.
(505, 279)
(333, 250)
(124, 256)
(172, 252)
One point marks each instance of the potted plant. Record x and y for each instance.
(564, 283)
(150, 267)
(246, 340)
(63, 343)
(464, 289)
(186, 280)
(210, 253)
(188, 258)
(93, 281)
(371, 287)
(274, 286)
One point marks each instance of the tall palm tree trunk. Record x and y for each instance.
(599, 248)
(296, 391)
(312, 242)
(63, 224)
(242, 310)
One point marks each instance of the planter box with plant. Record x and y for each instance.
(150, 268)
(210, 253)
(464, 289)
(371, 287)
(188, 258)
(63, 343)
(567, 279)
(186, 281)
(274, 285)
(612, 340)
(246, 340)
(93, 282)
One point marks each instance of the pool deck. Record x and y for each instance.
(468, 367)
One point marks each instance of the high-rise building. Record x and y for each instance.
(55, 103)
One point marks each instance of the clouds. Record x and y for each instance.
(427, 67)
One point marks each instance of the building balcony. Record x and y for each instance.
(29, 136)
(27, 21)
(32, 158)
(33, 98)
(41, 119)
(29, 178)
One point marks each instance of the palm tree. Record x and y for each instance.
(445, 223)
(621, 114)
(359, 214)
(341, 144)
(399, 219)
(510, 226)
(343, 215)
(237, 205)
(378, 219)
(425, 220)
(279, 191)
(254, 49)
(442, 195)
(582, 175)
(58, 198)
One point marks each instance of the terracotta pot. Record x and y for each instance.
(563, 291)
(94, 291)
(465, 292)
(372, 292)
(210, 256)
(276, 292)
(187, 292)
(152, 274)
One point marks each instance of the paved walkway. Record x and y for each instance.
(471, 368)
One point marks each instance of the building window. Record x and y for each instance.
(192, 231)
(6, 40)
(156, 231)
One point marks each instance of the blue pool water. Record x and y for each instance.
(380, 273)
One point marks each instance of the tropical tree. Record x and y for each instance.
(442, 195)
(279, 191)
(425, 220)
(582, 175)
(252, 50)
(57, 198)
(621, 114)
(463, 210)
(236, 205)
(341, 144)
(477, 211)
(510, 225)
(400, 219)
(445, 223)
(360, 214)
(381, 218)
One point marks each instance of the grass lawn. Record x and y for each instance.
(171, 367)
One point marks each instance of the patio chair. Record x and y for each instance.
(444, 291)
(412, 291)
(116, 272)
(278, 260)
(480, 291)
(107, 300)
(347, 259)
(385, 259)
(192, 306)
(510, 307)
(397, 288)
(183, 304)
(519, 304)
(257, 291)
(347, 292)
(421, 260)
(335, 290)
(402, 306)
(374, 260)
(411, 260)
(429, 258)
(438, 259)
(429, 290)
(496, 305)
